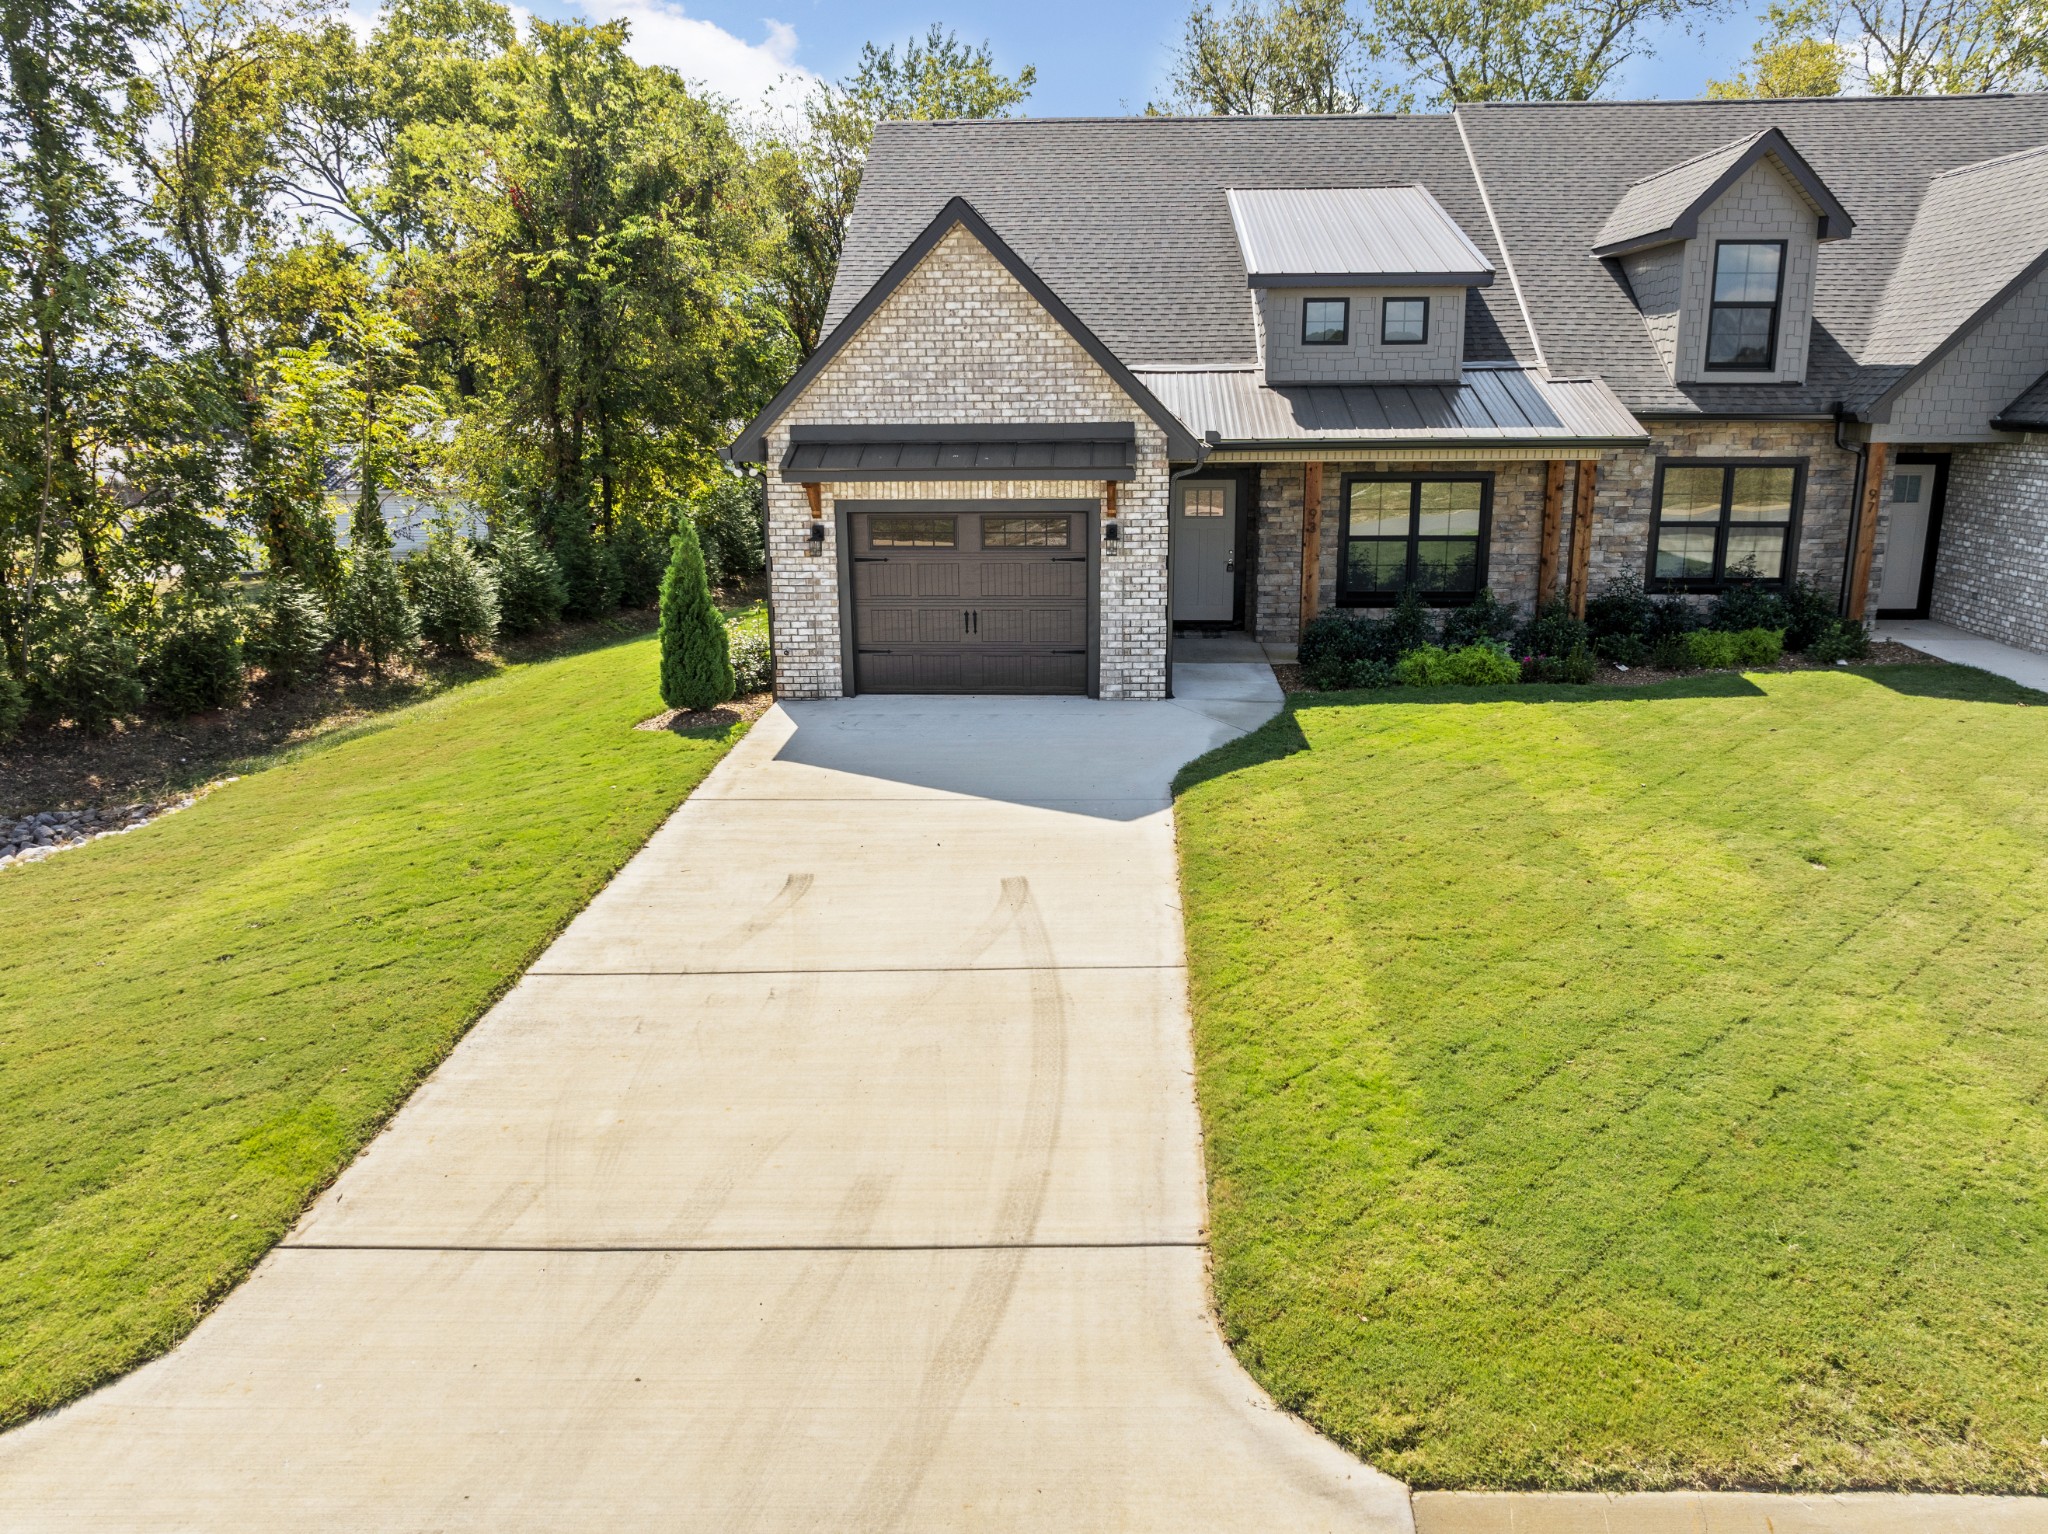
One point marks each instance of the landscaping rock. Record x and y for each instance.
(32, 838)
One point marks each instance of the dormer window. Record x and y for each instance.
(1326, 322)
(1404, 322)
(1749, 287)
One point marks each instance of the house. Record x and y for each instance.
(1083, 379)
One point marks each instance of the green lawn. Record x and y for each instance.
(202, 1021)
(1637, 1089)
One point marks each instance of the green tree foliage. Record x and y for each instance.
(373, 619)
(1895, 48)
(530, 589)
(454, 594)
(812, 171)
(81, 668)
(1521, 50)
(728, 513)
(696, 657)
(288, 633)
(195, 660)
(13, 705)
(1282, 56)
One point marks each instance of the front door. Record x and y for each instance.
(1205, 551)
(1913, 500)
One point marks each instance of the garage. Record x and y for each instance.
(960, 597)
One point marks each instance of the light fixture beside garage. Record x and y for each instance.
(1110, 544)
(815, 494)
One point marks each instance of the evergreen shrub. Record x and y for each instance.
(696, 658)
(13, 705)
(81, 668)
(372, 617)
(728, 516)
(530, 589)
(195, 661)
(753, 659)
(454, 593)
(1845, 639)
(288, 632)
(642, 555)
(1473, 665)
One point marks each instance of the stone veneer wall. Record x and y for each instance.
(1991, 570)
(1621, 513)
(961, 342)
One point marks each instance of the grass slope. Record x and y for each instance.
(1637, 1090)
(202, 1021)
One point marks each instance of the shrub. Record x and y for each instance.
(1711, 649)
(530, 590)
(1672, 652)
(1809, 615)
(372, 617)
(753, 659)
(1408, 626)
(590, 570)
(696, 658)
(642, 555)
(195, 663)
(1623, 609)
(728, 516)
(1485, 618)
(1757, 648)
(1670, 617)
(1846, 639)
(1552, 631)
(289, 633)
(1474, 665)
(454, 594)
(13, 705)
(1576, 667)
(1751, 604)
(1334, 641)
(1350, 675)
(1622, 649)
(81, 668)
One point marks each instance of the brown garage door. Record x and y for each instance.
(970, 601)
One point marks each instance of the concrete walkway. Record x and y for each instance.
(837, 1169)
(1946, 642)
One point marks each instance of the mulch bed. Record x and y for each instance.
(726, 715)
(1882, 653)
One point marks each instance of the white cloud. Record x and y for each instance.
(703, 51)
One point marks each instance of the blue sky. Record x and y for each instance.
(1092, 58)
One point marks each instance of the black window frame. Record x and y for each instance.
(1346, 597)
(1715, 306)
(1386, 303)
(1719, 581)
(1343, 332)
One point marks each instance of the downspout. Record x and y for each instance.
(1211, 440)
(1842, 418)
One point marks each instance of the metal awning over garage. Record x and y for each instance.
(1093, 450)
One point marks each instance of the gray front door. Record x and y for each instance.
(1205, 551)
(949, 599)
(1913, 507)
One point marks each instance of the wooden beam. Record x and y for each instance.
(1109, 499)
(1876, 456)
(1311, 539)
(1553, 528)
(815, 494)
(1582, 536)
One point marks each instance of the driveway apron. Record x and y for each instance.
(837, 1169)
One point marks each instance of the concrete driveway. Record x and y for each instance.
(837, 1169)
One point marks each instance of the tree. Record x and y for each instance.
(1289, 56)
(1521, 50)
(696, 654)
(813, 170)
(1896, 48)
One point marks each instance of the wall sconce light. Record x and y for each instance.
(816, 545)
(1110, 544)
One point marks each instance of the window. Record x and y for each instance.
(1742, 325)
(910, 533)
(1404, 321)
(1202, 501)
(1721, 522)
(1326, 322)
(1023, 532)
(1429, 533)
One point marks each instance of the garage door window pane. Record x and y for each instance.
(1023, 532)
(911, 533)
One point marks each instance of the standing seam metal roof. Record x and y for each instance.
(1354, 235)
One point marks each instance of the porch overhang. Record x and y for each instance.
(1105, 450)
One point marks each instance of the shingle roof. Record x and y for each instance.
(1495, 402)
(1979, 228)
(1125, 218)
(1556, 171)
(1667, 204)
(2027, 413)
(1352, 236)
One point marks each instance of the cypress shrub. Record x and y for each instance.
(13, 705)
(82, 668)
(530, 589)
(373, 618)
(196, 662)
(454, 594)
(289, 635)
(696, 658)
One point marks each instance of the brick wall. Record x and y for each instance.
(1991, 571)
(1621, 513)
(962, 342)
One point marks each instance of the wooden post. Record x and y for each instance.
(815, 494)
(1876, 456)
(1553, 527)
(1582, 535)
(1311, 539)
(1109, 499)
